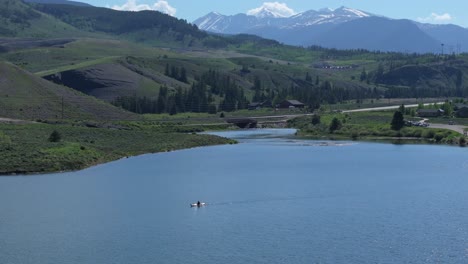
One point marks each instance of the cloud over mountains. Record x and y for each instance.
(436, 18)
(275, 9)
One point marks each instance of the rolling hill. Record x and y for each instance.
(62, 2)
(18, 19)
(26, 96)
(151, 27)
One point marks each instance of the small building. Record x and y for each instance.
(462, 112)
(291, 104)
(429, 112)
(258, 105)
(254, 106)
(456, 107)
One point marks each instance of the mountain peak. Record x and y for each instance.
(272, 10)
(351, 11)
(265, 13)
(325, 10)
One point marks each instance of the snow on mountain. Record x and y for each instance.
(271, 17)
(266, 13)
(272, 10)
(344, 27)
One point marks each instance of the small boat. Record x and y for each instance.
(197, 205)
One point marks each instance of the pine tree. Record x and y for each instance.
(398, 121)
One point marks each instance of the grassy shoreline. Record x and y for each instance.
(372, 126)
(26, 148)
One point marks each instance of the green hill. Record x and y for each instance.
(26, 96)
(18, 19)
(149, 27)
(430, 79)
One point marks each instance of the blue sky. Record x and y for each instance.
(431, 11)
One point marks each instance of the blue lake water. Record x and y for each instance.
(271, 199)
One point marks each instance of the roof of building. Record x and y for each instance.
(294, 102)
(461, 105)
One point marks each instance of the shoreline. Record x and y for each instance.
(225, 141)
(27, 149)
(27, 174)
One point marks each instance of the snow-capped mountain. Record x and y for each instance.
(342, 28)
(324, 16)
(260, 18)
(266, 13)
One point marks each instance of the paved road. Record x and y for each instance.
(456, 128)
(385, 108)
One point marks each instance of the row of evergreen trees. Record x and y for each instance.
(177, 73)
(200, 98)
(215, 91)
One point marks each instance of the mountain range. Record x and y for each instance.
(341, 28)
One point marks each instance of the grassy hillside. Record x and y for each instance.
(18, 19)
(149, 27)
(26, 96)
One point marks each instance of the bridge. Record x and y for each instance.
(243, 122)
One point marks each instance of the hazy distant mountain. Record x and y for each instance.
(377, 33)
(454, 38)
(64, 2)
(342, 28)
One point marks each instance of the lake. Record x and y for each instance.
(272, 198)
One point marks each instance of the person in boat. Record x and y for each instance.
(198, 204)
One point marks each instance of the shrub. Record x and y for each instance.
(315, 120)
(438, 137)
(428, 134)
(55, 136)
(462, 141)
(335, 125)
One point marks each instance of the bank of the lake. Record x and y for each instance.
(29, 148)
(371, 126)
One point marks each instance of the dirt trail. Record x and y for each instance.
(15, 121)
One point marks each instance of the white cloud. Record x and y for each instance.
(436, 18)
(161, 5)
(276, 8)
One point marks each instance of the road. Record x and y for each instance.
(385, 108)
(15, 121)
(456, 128)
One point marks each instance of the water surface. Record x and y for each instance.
(271, 199)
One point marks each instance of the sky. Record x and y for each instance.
(429, 11)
